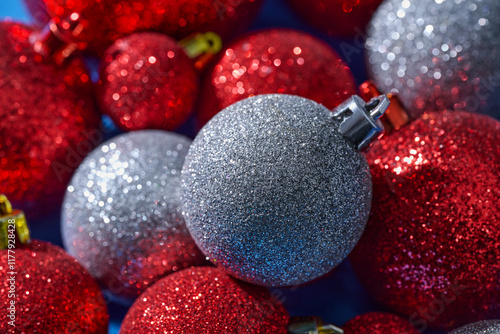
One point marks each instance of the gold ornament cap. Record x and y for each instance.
(311, 325)
(13, 223)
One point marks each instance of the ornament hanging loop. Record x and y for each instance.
(311, 325)
(395, 116)
(202, 47)
(12, 223)
(359, 120)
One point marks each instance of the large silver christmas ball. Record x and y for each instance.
(481, 327)
(122, 216)
(438, 54)
(272, 191)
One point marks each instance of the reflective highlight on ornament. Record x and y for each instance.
(121, 215)
(437, 54)
(48, 122)
(273, 192)
(205, 300)
(431, 247)
(147, 82)
(48, 279)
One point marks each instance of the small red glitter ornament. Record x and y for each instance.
(147, 82)
(276, 61)
(344, 18)
(378, 323)
(431, 249)
(108, 20)
(48, 122)
(53, 292)
(205, 300)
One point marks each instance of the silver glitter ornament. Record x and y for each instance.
(481, 327)
(122, 216)
(275, 191)
(438, 54)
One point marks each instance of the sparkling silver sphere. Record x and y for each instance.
(438, 54)
(122, 216)
(274, 193)
(481, 327)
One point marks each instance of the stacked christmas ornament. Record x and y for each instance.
(250, 166)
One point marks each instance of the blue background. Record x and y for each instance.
(337, 297)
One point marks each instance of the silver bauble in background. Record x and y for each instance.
(274, 193)
(122, 214)
(438, 54)
(481, 327)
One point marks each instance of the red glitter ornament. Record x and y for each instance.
(48, 122)
(276, 61)
(108, 20)
(53, 292)
(431, 249)
(205, 300)
(378, 323)
(147, 82)
(345, 18)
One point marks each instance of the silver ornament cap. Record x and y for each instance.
(275, 191)
(360, 120)
(481, 327)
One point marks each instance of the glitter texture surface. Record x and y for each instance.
(438, 54)
(46, 114)
(481, 327)
(337, 17)
(54, 293)
(147, 81)
(378, 323)
(272, 191)
(122, 212)
(276, 61)
(205, 300)
(431, 249)
(108, 20)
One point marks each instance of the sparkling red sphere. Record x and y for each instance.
(53, 292)
(379, 323)
(345, 18)
(431, 249)
(108, 20)
(276, 61)
(49, 122)
(147, 82)
(205, 300)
